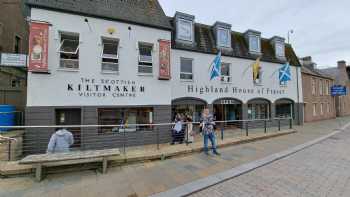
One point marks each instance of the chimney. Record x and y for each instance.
(342, 65)
(307, 62)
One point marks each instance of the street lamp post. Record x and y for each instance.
(288, 35)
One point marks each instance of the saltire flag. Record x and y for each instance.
(215, 67)
(284, 73)
(256, 69)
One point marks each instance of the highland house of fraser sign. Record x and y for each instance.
(89, 87)
(209, 89)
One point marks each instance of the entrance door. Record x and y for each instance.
(70, 117)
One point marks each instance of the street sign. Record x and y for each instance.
(12, 59)
(338, 90)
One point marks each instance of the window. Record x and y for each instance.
(186, 69)
(313, 84)
(1, 28)
(145, 58)
(314, 109)
(127, 117)
(254, 43)
(223, 37)
(320, 84)
(15, 83)
(225, 72)
(110, 57)
(69, 50)
(280, 50)
(321, 109)
(17, 47)
(185, 30)
(327, 88)
(328, 108)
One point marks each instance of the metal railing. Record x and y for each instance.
(152, 137)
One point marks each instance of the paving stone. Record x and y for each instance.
(320, 170)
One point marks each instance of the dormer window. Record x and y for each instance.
(185, 30)
(279, 46)
(254, 43)
(279, 50)
(223, 37)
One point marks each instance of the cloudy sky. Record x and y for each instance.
(321, 27)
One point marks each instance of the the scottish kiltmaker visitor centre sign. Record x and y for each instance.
(103, 68)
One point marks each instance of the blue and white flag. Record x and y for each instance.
(215, 67)
(284, 73)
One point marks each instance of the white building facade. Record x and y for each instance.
(103, 69)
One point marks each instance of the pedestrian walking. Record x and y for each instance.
(208, 124)
(60, 141)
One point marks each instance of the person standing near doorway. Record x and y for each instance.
(207, 125)
(189, 130)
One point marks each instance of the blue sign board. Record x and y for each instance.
(338, 90)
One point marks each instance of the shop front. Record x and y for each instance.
(284, 108)
(192, 107)
(259, 109)
(228, 109)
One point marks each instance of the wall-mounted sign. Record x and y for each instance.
(164, 59)
(103, 88)
(12, 59)
(338, 90)
(38, 47)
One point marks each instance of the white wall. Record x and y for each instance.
(51, 89)
(242, 77)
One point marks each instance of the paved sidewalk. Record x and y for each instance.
(321, 170)
(153, 177)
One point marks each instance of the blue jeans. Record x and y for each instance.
(211, 137)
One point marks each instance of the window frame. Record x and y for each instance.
(313, 86)
(229, 76)
(76, 52)
(280, 53)
(109, 57)
(181, 37)
(320, 87)
(187, 73)
(19, 44)
(227, 32)
(145, 64)
(314, 109)
(258, 50)
(124, 114)
(321, 109)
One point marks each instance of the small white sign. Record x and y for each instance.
(11, 59)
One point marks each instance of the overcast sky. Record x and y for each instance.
(321, 27)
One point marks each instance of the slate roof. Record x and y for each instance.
(141, 12)
(316, 72)
(334, 72)
(206, 43)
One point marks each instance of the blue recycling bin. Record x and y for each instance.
(7, 117)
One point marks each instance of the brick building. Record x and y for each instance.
(341, 78)
(318, 102)
(13, 39)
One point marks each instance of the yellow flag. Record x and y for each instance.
(256, 68)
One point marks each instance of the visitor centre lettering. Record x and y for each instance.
(234, 90)
(87, 87)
